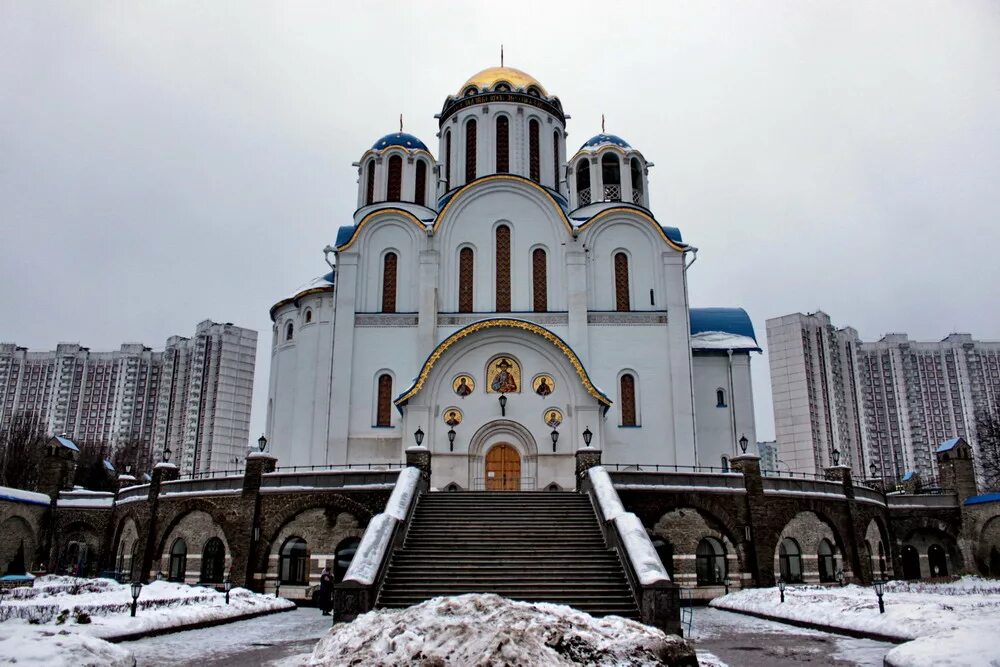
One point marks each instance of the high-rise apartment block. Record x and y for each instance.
(887, 403)
(193, 398)
(768, 452)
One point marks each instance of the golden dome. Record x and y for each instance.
(490, 76)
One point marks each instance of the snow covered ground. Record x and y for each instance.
(486, 629)
(952, 623)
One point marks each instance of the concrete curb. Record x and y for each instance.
(133, 636)
(848, 632)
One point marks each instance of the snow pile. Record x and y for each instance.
(956, 621)
(24, 644)
(485, 629)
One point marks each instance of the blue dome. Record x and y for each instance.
(399, 139)
(606, 139)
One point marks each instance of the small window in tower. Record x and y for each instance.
(470, 150)
(420, 183)
(583, 182)
(555, 160)
(447, 160)
(534, 165)
(389, 283)
(503, 145)
(466, 260)
(503, 269)
(720, 398)
(539, 280)
(370, 183)
(621, 283)
(395, 189)
(383, 416)
(309, 315)
(627, 399)
(289, 331)
(611, 173)
(636, 170)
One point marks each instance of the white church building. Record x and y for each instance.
(504, 303)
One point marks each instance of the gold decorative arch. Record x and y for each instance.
(375, 214)
(503, 177)
(639, 214)
(483, 325)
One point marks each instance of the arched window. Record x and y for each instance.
(342, 557)
(665, 550)
(720, 398)
(534, 166)
(937, 561)
(292, 562)
(911, 562)
(827, 563)
(503, 145)
(394, 190)
(370, 183)
(289, 331)
(383, 416)
(539, 280)
(213, 562)
(555, 160)
(178, 560)
(465, 275)
(583, 182)
(627, 400)
(470, 150)
(710, 562)
(790, 560)
(420, 183)
(447, 160)
(309, 315)
(503, 269)
(636, 169)
(389, 283)
(611, 174)
(621, 283)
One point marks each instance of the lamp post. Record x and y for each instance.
(587, 437)
(277, 588)
(136, 589)
(744, 442)
(418, 436)
(836, 457)
(262, 442)
(781, 588)
(451, 439)
(503, 405)
(840, 577)
(228, 585)
(879, 586)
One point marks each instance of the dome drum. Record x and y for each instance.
(501, 85)
(607, 170)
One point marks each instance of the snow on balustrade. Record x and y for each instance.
(641, 552)
(374, 546)
(607, 498)
(402, 495)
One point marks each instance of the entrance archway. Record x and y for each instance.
(503, 468)
(937, 561)
(911, 562)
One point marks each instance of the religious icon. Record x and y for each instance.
(463, 385)
(553, 418)
(452, 417)
(504, 376)
(543, 385)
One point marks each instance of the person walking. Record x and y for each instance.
(325, 591)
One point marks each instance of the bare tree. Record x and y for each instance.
(22, 446)
(132, 458)
(91, 472)
(988, 435)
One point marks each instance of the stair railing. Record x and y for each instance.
(357, 593)
(657, 597)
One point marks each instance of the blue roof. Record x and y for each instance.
(344, 235)
(985, 498)
(909, 475)
(399, 139)
(605, 139)
(67, 443)
(728, 320)
(108, 465)
(672, 233)
(947, 445)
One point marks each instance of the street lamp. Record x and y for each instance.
(744, 442)
(451, 439)
(418, 436)
(136, 589)
(503, 405)
(555, 439)
(840, 577)
(873, 469)
(228, 585)
(277, 588)
(879, 586)
(836, 457)
(587, 437)
(262, 442)
(166, 454)
(781, 588)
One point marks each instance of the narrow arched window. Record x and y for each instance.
(394, 191)
(383, 416)
(636, 169)
(621, 283)
(466, 261)
(710, 562)
(309, 315)
(213, 562)
(420, 183)
(720, 398)
(826, 561)
(790, 560)
(470, 150)
(555, 160)
(583, 182)
(389, 283)
(370, 183)
(292, 562)
(612, 177)
(178, 560)
(534, 164)
(627, 400)
(503, 269)
(447, 160)
(289, 331)
(342, 557)
(503, 145)
(539, 280)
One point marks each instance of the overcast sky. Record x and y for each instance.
(163, 163)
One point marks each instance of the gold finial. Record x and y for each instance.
(501, 55)
(602, 123)
(400, 122)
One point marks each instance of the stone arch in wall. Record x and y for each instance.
(78, 548)
(880, 560)
(196, 527)
(683, 529)
(17, 531)
(322, 529)
(931, 542)
(808, 529)
(987, 554)
(127, 538)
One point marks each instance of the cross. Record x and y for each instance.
(501, 55)
(602, 123)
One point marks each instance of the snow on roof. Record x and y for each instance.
(108, 465)
(67, 443)
(722, 329)
(721, 340)
(22, 496)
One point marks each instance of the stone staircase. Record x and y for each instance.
(532, 546)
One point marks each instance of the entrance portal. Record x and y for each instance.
(503, 468)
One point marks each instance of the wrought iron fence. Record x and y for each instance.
(662, 467)
(341, 466)
(583, 197)
(612, 193)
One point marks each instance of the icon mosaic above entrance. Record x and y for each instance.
(503, 376)
(463, 385)
(543, 384)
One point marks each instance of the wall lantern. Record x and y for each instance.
(555, 439)
(418, 436)
(743, 443)
(587, 437)
(451, 439)
(503, 405)
(262, 442)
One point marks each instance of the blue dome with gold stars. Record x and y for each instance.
(403, 139)
(603, 138)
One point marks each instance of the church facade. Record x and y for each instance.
(505, 304)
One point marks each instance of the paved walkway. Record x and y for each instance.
(739, 640)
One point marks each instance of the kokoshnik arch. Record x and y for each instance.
(506, 246)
